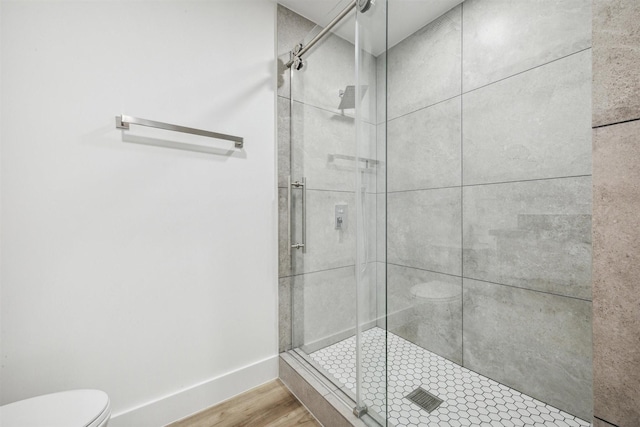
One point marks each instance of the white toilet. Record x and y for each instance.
(74, 408)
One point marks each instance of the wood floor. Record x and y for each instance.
(270, 404)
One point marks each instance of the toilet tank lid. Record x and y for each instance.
(74, 408)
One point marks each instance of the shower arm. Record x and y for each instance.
(299, 50)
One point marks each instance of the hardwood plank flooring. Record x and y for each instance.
(270, 404)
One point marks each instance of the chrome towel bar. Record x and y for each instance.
(123, 122)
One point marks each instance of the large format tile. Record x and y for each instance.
(425, 68)
(324, 149)
(324, 307)
(284, 140)
(616, 60)
(534, 235)
(381, 228)
(292, 29)
(326, 247)
(537, 343)
(318, 137)
(424, 230)
(330, 68)
(369, 238)
(534, 125)
(381, 88)
(284, 314)
(502, 38)
(599, 423)
(284, 257)
(424, 148)
(428, 320)
(616, 270)
(368, 81)
(381, 295)
(381, 157)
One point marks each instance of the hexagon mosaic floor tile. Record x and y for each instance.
(469, 399)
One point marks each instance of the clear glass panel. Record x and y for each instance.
(370, 50)
(338, 317)
(323, 150)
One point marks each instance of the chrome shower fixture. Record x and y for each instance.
(298, 63)
(364, 5)
(299, 49)
(348, 97)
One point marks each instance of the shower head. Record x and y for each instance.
(348, 97)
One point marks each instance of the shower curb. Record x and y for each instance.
(318, 397)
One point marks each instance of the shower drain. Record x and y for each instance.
(424, 399)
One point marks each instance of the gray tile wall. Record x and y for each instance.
(522, 337)
(436, 326)
(616, 234)
(489, 180)
(423, 229)
(616, 59)
(530, 234)
(616, 229)
(424, 69)
(428, 141)
(504, 38)
(530, 126)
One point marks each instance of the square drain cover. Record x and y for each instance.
(424, 399)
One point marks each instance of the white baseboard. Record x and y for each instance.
(183, 403)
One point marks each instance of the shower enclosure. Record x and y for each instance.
(435, 208)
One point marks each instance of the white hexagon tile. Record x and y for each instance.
(469, 399)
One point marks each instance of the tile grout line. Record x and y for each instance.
(328, 111)
(462, 92)
(489, 183)
(423, 269)
(329, 190)
(615, 123)
(316, 271)
(527, 289)
(528, 180)
(425, 107)
(456, 186)
(527, 70)
(602, 419)
(488, 281)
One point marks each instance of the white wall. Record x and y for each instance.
(141, 270)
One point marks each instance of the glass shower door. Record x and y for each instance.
(370, 129)
(337, 275)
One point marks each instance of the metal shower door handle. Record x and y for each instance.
(303, 186)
